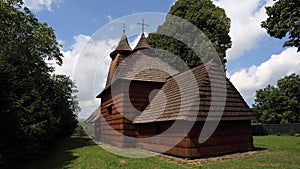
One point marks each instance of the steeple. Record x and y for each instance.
(122, 51)
(123, 46)
(142, 44)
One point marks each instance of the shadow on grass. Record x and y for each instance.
(59, 154)
(259, 149)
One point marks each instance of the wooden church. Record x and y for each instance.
(126, 115)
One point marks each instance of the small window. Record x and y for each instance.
(109, 110)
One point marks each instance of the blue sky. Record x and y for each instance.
(71, 18)
(254, 60)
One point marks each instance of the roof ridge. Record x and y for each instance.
(208, 65)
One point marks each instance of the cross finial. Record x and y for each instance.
(124, 27)
(143, 25)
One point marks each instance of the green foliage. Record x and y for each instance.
(279, 104)
(35, 106)
(65, 103)
(284, 18)
(210, 19)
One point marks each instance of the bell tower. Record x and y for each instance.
(122, 50)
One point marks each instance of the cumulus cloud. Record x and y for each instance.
(248, 80)
(87, 63)
(245, 30)
(71, 56)
(38, 5)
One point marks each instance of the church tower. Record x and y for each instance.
(122, 50)
(133, 75)
(142, 44)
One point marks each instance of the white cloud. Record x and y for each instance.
(38, 5)
(87, 63)
(110, 18)
(81, 63)
(71, 56)
(248, 80)
(245, 30)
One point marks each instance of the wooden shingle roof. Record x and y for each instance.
(142, 66)
(142, 44)
(167, 104)
(123, 46)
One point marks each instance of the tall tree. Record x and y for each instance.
(279, 104)
(65, 104)
(35, 106)
(284, 18)
(210, 19)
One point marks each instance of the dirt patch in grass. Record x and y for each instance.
(122, 161)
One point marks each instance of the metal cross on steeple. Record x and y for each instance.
(143, 25)
(124, 27)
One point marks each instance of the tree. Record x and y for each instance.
(65, 104)
(209, 18)
(283, 18)
(36, 107)
(279, 104)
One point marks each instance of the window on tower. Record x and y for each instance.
(109, 109)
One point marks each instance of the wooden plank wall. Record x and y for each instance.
(114, 122)
(229, 137)
(138, 95)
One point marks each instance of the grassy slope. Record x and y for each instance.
(281, 152)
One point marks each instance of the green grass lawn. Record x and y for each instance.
(280, 152)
